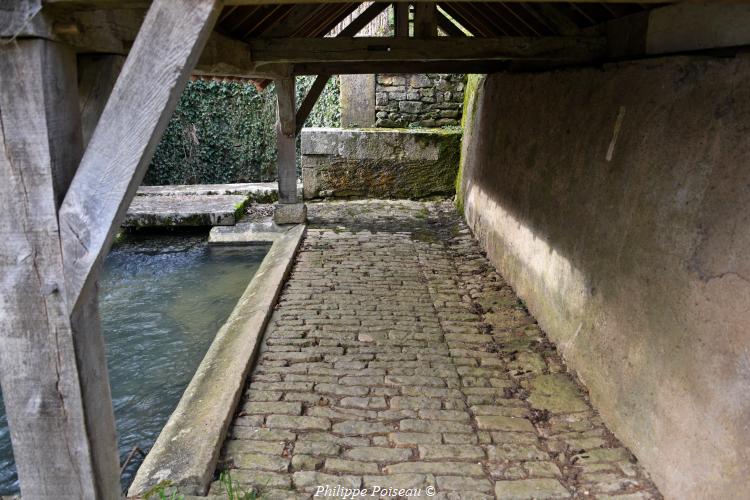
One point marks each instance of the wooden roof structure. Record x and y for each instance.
(87, 87)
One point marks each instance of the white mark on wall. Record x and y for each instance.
(615, 133)
(571, 340)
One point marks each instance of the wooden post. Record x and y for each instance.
(425, 20)
(288, 210)
(285, 143)
(97, 75)
(401, 19)
(57, 453)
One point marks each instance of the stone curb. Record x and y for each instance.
(187, 450)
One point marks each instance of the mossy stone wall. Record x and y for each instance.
(379, 163)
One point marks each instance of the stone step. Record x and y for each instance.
(184, 210)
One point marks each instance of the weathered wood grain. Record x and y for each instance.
(286, 144)
(155, 72)
(39, 151)
(97, 75)
(104, 30)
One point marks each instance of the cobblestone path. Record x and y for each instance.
(398, 358)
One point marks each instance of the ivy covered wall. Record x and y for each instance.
(224, 132)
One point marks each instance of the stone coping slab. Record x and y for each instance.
(184, 210)
(248, 233)
(261, 192)
(186, 451)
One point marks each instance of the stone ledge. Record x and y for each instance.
(257, 192)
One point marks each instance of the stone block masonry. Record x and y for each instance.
(419, 100)
(398, 358)
(379, 163)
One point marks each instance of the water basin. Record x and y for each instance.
(162, 300)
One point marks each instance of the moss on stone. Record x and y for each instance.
(387, 174)
(470, 103)
(239, 210)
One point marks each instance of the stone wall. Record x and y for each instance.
(616, 201)
(419, 100)
(379, 163)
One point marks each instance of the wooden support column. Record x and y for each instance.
(58, 453)
(425, 20)
(401, 19)
(97, 75)
(286, 147)
(289, 210)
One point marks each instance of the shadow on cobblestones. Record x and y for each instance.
(399, 358)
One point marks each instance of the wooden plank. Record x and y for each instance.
(308, 103)
(329, 50)
(97, 75)
(57, 453)
(155, 72)
(286, 143)
(401, 19)
(425, 20)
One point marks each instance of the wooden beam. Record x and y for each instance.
(271, 2)
(425, 20)
(97, 75)
(155, 72)
(355, 68)
(362, 20)
(309, 101)
(286, 143)
(333, 50)
(140, 3)
(559, 22)
(61, 445)
(448, 26)
(109, 31)
(401, 19)
(319, 84)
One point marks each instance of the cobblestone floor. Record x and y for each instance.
(398, 358)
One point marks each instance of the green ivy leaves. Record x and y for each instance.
(224, 132)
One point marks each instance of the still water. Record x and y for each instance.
(162, 300)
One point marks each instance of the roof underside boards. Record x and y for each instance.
(481, 19)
